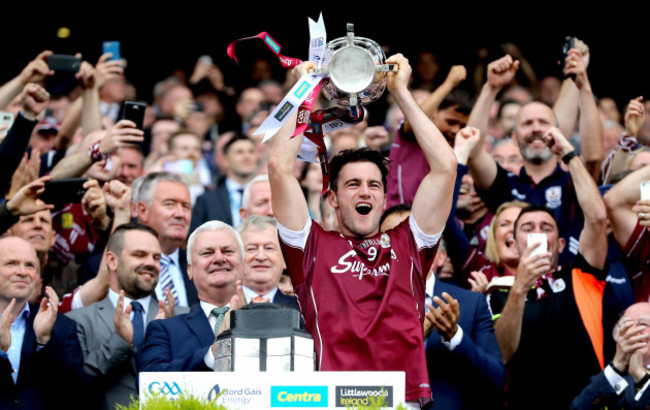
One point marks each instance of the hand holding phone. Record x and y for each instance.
(567, 45)
(64, 191)
(540, 238)
(134, 111)
(112, 47)
(645, 190)
(64, 62)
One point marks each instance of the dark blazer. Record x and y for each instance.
(282, 299)
(599, 394)
(190, 289)
(472, 376)
(51, 378)
(109, 361)
(178, 343)
(212, 206)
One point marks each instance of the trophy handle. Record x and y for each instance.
(384, 68)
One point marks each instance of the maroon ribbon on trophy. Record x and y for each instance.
(327, 120)
(311, 125)
(271, 44)
(305, 108)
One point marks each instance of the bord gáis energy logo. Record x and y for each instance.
(241, 396)
(299, 396)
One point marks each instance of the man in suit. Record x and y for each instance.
(263, 262)
(216, 266)
(257, 198)
(623, 384)
(465, 366)
(164, 205)
(223, 203)
(36, 342)
(111, 331)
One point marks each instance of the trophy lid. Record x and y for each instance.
(352, 69)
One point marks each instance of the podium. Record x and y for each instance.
(281, 390)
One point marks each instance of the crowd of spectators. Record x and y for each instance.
(172, 227)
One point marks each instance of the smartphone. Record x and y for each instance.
(567, 45)
(112, 47)
(537, 238)
(64, 62)
(181, 166)
(197, 106)
(64, 191)
(6, 121)
(134, 111)
(645, 190)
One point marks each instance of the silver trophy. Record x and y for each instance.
(355, 70)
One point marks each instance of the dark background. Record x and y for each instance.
(160, 39)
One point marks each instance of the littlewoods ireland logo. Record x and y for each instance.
(353, 396)
(299, 396)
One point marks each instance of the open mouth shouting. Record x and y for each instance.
(363, 208)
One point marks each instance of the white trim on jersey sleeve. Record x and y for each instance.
(297, 239)
(422, 239)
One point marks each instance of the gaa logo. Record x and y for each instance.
(165, 388)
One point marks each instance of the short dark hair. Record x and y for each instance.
(506, 102)
(534, 208)
(459, 99)
(357, 155)
(233, 140)
(116, 241)
(395, 209)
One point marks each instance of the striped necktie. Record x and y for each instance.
(165, 278)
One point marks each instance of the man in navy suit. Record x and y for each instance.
(216, 266)
(40, 357)
(164, 205)
(263, 262)
(465, 366)
(224, 202)
(624, 383)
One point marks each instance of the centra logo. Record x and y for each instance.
(165, 388)
(299, 396)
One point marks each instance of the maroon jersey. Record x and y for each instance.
(637, 252)
(477, 261)
(75, 234)
(363, 300)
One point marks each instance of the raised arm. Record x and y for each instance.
(593, 238)
(84, 111)
(35, 72)
(118, 198)
(619, 159)
(591, 128)
(430, 105)
(122, 134)
(568, 102)
(481, 165)
(289, 205)
(432, 201)
(620, 200)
